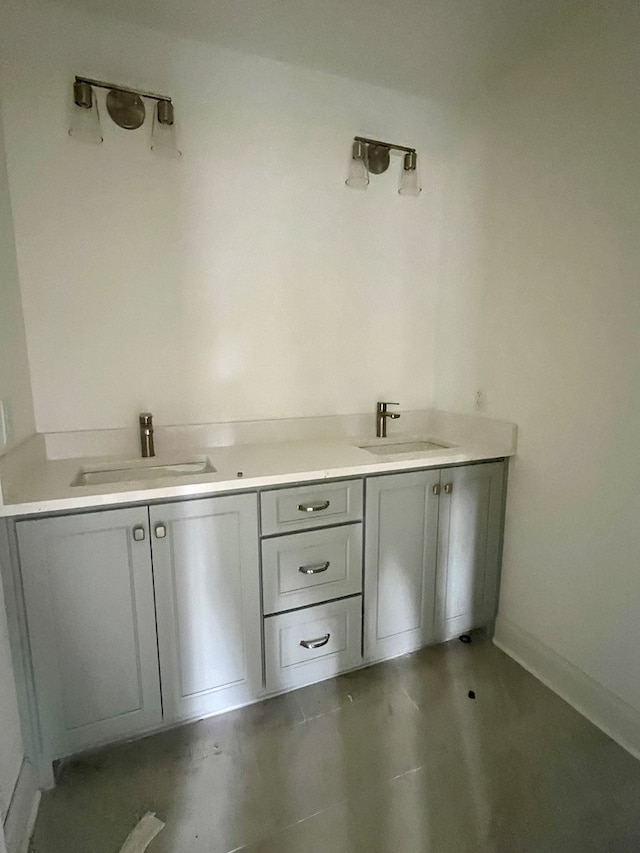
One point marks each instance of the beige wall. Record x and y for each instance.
(560, 344)
(244, 281)
(14, 386)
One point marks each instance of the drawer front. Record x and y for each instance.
(284, 510)
(308, 645)
(312, 567)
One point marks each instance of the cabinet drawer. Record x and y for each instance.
(317, 505)
(311, 644)
(308, 568)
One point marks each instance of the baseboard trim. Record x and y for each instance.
(599, 705)
(23, 810)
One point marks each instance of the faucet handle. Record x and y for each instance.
(382, 407)
(146, 418)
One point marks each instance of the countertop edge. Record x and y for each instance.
(185, 491)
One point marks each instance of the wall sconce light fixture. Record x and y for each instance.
(163, 133)
(126, 109)
(358, 172)
(370, 156)
(409, 178)
(85, 121)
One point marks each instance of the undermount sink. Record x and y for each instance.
(134, 470)
(384, 447)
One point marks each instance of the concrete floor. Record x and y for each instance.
(396, 758)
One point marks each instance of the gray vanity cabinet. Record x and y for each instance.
(469, 547)
(88, 592)
(400, 562)
(311, 582)
(122, 603)
(433, 546)
(97, 588)
(207, 584)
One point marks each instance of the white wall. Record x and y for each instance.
(14, 386)
(561, 341)
(244, 281)
(460, 308)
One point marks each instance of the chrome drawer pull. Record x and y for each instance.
(315, 644)
(314, 507)
(314, 568)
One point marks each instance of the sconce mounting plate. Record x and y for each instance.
(378, 158)
(126, 109)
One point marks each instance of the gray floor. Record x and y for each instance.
(396, 758)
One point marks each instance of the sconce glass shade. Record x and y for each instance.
(163, 132)
(85, 121)
(358, 178)
(409, 184)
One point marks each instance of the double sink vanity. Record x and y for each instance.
(146, 592)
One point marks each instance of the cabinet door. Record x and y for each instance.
(88, 591)
(400, 562)
(205, 560)
(469, 547)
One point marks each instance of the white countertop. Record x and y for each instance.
(32, 483)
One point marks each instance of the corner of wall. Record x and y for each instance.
(15, 378)
(603, 708)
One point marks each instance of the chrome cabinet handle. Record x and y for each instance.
(314, 568)
(314, 507)
(139, 533)
(436, 489)
(448, 488)
(160, 531)
(315, 644)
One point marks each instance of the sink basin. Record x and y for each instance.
(134, 470)
(384, 447)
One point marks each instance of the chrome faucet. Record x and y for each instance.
(146, 434)
(381, 418)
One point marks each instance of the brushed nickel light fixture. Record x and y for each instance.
(163, 133)
(409, 178)
(127, 109)
(371, 156)
(85, 121)
(358, 172)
